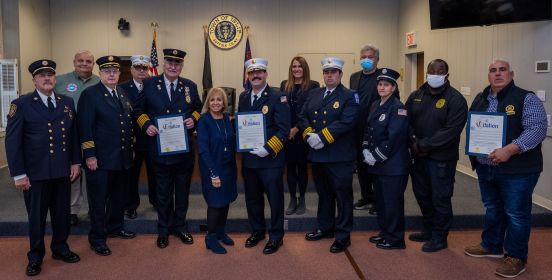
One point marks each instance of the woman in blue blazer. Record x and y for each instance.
(385, 150)
(217, 164)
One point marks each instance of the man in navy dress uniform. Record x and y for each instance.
(42, 148)
(139, 71)
(105, 128)
(263, 166)
(169, 94)
(327, 121)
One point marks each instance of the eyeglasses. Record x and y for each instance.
(110, 71)
(140, 68)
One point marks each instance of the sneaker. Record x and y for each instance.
(362, 204)
(510, 267)
(478, 251)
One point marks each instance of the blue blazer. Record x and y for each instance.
(154, 101)
(333, 119)
(140, 137)
(40, 143)
(215, 161)
(106, 128)
(274, 106)
(386, 137)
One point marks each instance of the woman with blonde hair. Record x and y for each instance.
(217, 164)
(296, 88)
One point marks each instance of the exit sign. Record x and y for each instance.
(411, 39)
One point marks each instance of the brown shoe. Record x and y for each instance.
(478, 251)
(510, 267)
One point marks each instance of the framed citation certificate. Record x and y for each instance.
(485, 132)
(172, 137)
(250, 131)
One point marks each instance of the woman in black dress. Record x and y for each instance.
(296, 88)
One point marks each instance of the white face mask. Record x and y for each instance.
(436, 81)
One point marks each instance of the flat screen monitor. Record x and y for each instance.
(461, 13)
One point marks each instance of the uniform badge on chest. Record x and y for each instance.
(265, 109)
(336, 105)
(510, 110)
(440, 103)
(382, 117)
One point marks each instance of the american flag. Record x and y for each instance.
(153, 56)
(246, 83)
(402, 112)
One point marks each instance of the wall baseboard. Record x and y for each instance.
(542, 201)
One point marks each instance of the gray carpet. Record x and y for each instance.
(467, 207)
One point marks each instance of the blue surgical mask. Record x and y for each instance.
(436, 81)
(367, 64)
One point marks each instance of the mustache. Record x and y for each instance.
(256, 78)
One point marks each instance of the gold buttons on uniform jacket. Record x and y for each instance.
(323, 122)
(63, 135)
(51, 151)
(63, 129)
(123, 147)
(316, 112)
(51, 138)
(62, 122)
(324, 112)
(180, 111)
(122, 130)
(122, 123)
(314, 121)
(49, 130)
(49, 124)
(51, 145)
(168, 111)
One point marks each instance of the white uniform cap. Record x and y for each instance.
(140, 60)
(332, 63)
(255, 64)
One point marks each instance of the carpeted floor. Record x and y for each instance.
(297, 259)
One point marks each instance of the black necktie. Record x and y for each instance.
(50, 104)
(173, 95)
(255, 97)
(116, 98)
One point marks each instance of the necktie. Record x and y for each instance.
(255, 97)
(327, 93)
(116, 98)
(50, 104)
(172, 92)
(140, 86)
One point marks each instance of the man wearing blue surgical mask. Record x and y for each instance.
(365, 83)
(437, 114)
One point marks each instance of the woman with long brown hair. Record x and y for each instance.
(296, 88)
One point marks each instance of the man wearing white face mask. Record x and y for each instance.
(438, 113)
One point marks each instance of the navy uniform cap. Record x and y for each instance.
(41, 66)
(174, 54)
(388, 74)
(108, 61)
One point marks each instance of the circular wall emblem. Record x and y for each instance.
(72, 87)
(225, 31)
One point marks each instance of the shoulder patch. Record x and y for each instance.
(13, 109)
(283, 99)
(402, 112)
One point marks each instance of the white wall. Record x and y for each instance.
(470, 50)
(279, 30)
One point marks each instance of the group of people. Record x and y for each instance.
(332, 127)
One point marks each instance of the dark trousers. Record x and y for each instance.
(173, 191)
(296, 168)
(433, 186)
(106, 198)
(134, 177)
(390, 199)
(44, 195)
(365, 179)
(334, 184)
(216, 219)
(259, 181)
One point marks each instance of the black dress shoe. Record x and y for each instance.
(33, 268)
(162, 241)
(375, 239)
(68, 257)
(124, 234)
(318, 234)
(420, 236)
(434, 246)
(340, 245)
(185, 237)
(254, 239)
(272, 246)
(131, 214)
(101, 250)
(389, 246)
(74, 220)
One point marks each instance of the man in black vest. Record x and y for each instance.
(438, 114)
(508, 175)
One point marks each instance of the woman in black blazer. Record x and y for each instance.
(296, 88)
(217, 163)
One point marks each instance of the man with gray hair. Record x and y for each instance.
(72, 84)
(508, 175)
(364, 82)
